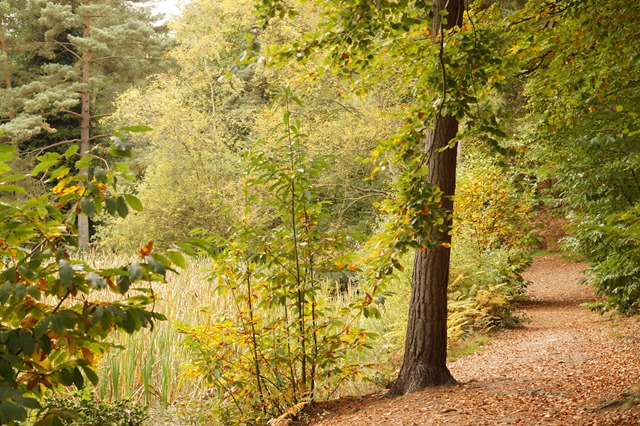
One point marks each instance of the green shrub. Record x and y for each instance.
(282, 338)
(85, 409)
(492, 236)
(611, 245)
(57, 310)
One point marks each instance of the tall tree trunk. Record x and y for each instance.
(6, 68)
(85, 131)
(6, 71)
(425, 354)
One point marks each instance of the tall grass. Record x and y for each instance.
(145, 367)
(148, 367)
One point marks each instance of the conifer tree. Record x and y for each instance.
(75, 56)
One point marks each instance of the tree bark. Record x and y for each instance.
(85, 131)
(6, 68)
(7, 81)
(425, 355)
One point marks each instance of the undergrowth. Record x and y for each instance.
(278, 315)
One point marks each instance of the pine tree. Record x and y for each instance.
(76, 56)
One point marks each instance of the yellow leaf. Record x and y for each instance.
(88, 355)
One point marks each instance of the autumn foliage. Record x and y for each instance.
(56, 310)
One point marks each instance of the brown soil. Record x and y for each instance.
(567, 366)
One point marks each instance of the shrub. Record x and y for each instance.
(492, 236)
(85, 409)
(282, 340)
(55, 315)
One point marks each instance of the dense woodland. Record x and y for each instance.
(225, 215)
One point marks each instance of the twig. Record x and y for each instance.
(538, 65)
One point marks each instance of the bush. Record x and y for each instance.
(492, 235)
(56, 310)
(282, 340)
(86, 410)
(611, 245)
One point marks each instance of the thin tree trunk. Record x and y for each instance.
(7, 82)
(425, 355)
(6, 69)
(85, 131)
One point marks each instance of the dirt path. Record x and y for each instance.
(568, 366)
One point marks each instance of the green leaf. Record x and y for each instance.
(135, 272)
(112, 205)
(129, 323)
(66, 377)
(87, 207)
(177, 258)
(66, 273)
(26, 342)
(20, 291)
(96, 316)
(112, 272)
(100, 174)
(84, 162)
(120, 147)
(34, 292)
(124, 283)
(57, 323)
(156, 265)
(7, 152)
(47, 160)
(71, 151)
(121, 206)
(12, 188)
(5, 292)
(6, 370)
(45, 344)
(96, 280)
(30, 403)
(134, 202)
(91, 375)
(10, 410)
(78, 380)
(13, 177)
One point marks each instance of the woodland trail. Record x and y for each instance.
(567, 366)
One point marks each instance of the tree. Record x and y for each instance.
(584, 131)
(81, 54)
(209, 110)
(202, 114)
(425, 354)
(13, 25)
(445, 69)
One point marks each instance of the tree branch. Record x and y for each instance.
(39, 150)
(64, 46)
(68, 141)
(100, 116)
(105, 135)
(66, 111)
(538, 65)
(630, 85)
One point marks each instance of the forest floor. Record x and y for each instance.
(566, 366)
